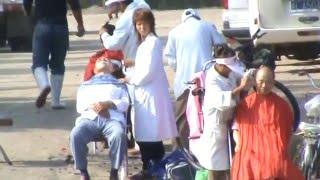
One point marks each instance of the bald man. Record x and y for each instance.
(262, 138)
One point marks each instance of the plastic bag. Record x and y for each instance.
(201, 174)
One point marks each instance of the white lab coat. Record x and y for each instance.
(154, 117)
(189, 46)
(211, 149)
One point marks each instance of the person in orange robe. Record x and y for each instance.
(262, 131)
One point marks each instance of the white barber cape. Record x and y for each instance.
(188, 47)
(101, 88)
(154, 116)
(211, 149)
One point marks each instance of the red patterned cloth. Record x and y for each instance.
(89, 72)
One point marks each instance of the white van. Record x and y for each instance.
(291, 27)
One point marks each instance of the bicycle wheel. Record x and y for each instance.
(307, 162)
(292, 101)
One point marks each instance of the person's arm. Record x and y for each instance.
(217, 38)
(245, 81)
(27, 4)
(120, 104)
(170, 51)
(119, 38)
(76, 11)
(236, 138)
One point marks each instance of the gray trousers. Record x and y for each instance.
(87, 130)
(181, 121)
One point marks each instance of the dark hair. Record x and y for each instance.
(223, 51)
(144, 14)
(110, 28)
(118, 73)
(264, 57)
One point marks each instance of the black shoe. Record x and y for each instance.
(114, 174)
(41, 100)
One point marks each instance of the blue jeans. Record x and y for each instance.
(50, 43)
(87, 130)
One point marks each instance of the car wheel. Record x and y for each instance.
(305, 55)
(307, 52)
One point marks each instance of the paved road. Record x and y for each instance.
(38, 141)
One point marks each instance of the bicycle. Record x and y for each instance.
(308, 155)
(254, 57)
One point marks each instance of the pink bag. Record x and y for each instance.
(194, 105)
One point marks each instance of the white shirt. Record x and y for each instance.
(189, 46)
(211, 149)
(218, 101)
(93, 93)
(124, 37)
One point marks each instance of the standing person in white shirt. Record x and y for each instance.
(189, 46)
(154, 116)
(223, 85)
(102, 102)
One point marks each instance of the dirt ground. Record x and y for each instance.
(38, 143)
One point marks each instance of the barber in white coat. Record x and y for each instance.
(220, 99)
(189, 46)
(154, 117)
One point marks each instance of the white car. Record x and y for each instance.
(235, 19)
(291, 27)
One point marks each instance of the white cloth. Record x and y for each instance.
(189, 46)
(109, 2)
(211, 149)
(101, 92)
(154, 117)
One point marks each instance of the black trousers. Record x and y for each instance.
(150, 152)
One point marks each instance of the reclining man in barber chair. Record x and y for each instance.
(102, 102)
